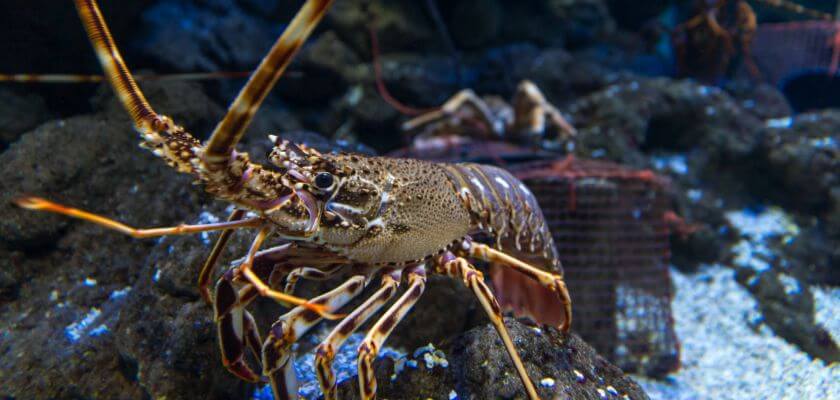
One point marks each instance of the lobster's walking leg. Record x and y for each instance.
(550, 281)
(325, 352)
(240, 113)
(276, 351)
(210, 263)
(380, 331)
(463, 99)
(310, 273)
(246, 270)
(236, 328)
(458, 267)
(38, 204)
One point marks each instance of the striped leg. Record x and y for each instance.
(240, 113)
(247, 271)
(458, 267)
(278, 362)
(465, 99)
(534, 115)
(210, 264)
(552, 282)
(380, 331)
(310, 273)
(325, 352)
(236, 327)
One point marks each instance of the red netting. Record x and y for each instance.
(611, 227)
(783, 49)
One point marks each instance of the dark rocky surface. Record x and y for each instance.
(788, 308)
(477, 367)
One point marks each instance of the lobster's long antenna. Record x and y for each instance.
(92, 78)
(240, 113)
(145, 118)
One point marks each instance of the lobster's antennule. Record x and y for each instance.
(240, 113)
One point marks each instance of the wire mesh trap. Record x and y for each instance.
(611, 225)
(783, 50)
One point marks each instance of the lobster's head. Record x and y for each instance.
(329, 197)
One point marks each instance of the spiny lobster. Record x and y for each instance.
(396, 219)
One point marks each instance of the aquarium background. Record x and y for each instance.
(750, 165)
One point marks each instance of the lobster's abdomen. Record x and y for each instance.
(503, 209)
(506, 213)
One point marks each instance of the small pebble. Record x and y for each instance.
(579, 376)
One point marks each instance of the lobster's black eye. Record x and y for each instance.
(324, 180)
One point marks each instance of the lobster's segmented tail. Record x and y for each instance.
(503, 208)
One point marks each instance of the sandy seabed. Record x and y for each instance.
(728, 354)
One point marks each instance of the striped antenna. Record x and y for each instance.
(230, 130)
(145, 118)
(798, 9)
(82, 78)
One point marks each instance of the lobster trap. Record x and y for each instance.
(611, 226)
(782, 50)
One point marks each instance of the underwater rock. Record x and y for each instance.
(214, 35)
(399, 25)
(663, 115)
(474, 365)
(762, 100)
(814, 255)
(802, 155)
(787, 305)
(20, 113)
(326, 66)
(72, 279)
(785, 301)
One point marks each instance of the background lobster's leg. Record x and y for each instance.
(315, 274)
(463, 99)
(276, 351)
(325, 352)
(230, 129)
(550, 281)
(235, 327)
(210, 264)
(460, 268)
(382, 329)
(534, 114)
(38, 204)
